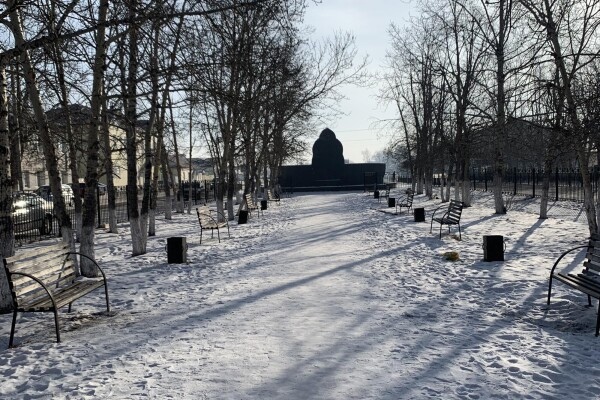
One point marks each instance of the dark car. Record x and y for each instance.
(31, 212)
(197, 191)
(45, 193)
(81, 187)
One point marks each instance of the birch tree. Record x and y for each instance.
(7, 236)
(461, 68)
(34, 96)
(571, 32)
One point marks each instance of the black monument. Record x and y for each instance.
(328, 171)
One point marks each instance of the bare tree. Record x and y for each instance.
(414, 83)
(7, 232)
(461, 68)
(40, 116)
(571, 28)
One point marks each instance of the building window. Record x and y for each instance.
(41, 178)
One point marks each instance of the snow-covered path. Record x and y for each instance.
(297, 320)
(324, 297)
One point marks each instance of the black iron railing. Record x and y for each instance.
(34, 217)
(564, 184)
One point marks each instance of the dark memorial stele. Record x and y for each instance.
(328, 158)
(328, 170)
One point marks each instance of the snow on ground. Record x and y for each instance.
(323, 297)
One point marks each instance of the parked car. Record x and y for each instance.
(81, 187)
(31, 212)
(45, 193)
(197, 191)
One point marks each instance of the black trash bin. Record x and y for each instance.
(376, 194)
(243, 217)
(391, 202)
(493, 248)
(263, 204)
(176, 250)
(419, 214)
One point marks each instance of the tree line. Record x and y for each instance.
(497, 84)
(239, 76)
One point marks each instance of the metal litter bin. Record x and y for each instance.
(493, 248)
(176, 250)
(419, 214)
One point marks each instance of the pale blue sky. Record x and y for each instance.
(369, 21)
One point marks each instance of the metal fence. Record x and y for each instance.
(34, 217)
(565, 184)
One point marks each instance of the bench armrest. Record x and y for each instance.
(220, 216)
(442, 206)
(212, 219)
(564, 254)
(405, 196)
(89, 258)
(48, 291)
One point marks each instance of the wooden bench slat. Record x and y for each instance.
(588, 281)
(579, 284)
(592, 262)
(35, 265)
(42, 273)
(64, 296)
(53, 250)
(32, 286)
(58, 270)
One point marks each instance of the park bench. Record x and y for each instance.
(210, 221)
(384, 194)
(251, 204)
(271, 196)
(588, 281)
(44, 279)
(450, 217)
(405, 201)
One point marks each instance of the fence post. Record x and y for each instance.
(98, 206)
(515, 181)
(533, 182)
(593, 180)
(485, 178)
(127, 200)
(556, 183)
(474, 179)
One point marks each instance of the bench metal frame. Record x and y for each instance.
(272, 197)
(588, 281)
(207, 221)
(450, 217)
(405, 201)
(50, 294)
(251, 204)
